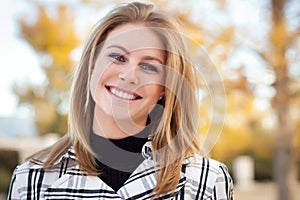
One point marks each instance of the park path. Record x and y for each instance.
(260, 191)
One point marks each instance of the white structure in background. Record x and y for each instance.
(16, 127)
(21, 135)
(27, 146)
(243, 171)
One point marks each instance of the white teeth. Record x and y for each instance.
(122, 94)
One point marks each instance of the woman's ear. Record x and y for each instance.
(162, 94)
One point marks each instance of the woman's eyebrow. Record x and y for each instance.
(119, 47)
(149, 58)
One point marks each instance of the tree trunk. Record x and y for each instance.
(284, 158)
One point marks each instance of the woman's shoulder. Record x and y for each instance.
(34, 172)
(210, 175)
(37, 163)
(205, 166)
(204, 163)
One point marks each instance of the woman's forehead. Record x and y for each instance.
(134, 37)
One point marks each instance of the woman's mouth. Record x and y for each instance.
(122, 94)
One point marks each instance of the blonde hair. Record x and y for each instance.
(175, 136)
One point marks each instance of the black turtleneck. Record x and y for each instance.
(118, 158)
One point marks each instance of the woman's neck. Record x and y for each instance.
(111, 128)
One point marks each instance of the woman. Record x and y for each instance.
(132, 123)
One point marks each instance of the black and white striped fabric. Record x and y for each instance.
(201, 178)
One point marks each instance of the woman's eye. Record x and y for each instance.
(149, 67)
(117, 57)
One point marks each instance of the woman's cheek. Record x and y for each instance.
(93, 85)
(97, 73)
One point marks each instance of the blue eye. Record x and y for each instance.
(118, 57)
(149, 67)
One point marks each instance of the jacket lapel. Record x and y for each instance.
(76, 185)
(142, 182)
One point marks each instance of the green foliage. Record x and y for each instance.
(8, 162)
(263, 169)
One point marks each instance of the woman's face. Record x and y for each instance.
(128, 76)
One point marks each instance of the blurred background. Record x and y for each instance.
(255, 48)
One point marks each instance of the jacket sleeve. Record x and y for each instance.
(223, 188)
(13, 193)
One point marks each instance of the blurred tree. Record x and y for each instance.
(53, 38)
(284, 39)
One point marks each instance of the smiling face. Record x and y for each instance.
(128, 76)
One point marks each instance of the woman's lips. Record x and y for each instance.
(123, 94)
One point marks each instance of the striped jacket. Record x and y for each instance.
(201, 178)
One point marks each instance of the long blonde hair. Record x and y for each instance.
(175, 136)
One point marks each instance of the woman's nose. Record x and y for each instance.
(130, 75)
